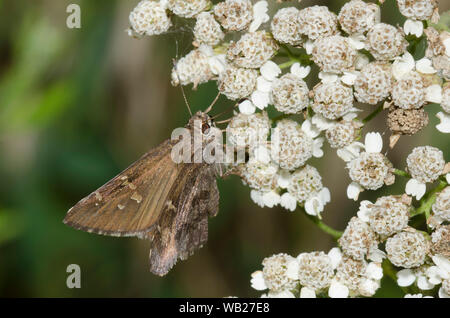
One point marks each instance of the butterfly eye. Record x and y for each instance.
(205, 128)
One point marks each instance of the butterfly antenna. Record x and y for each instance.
(226, 110)
(212, 104)
(186, 101)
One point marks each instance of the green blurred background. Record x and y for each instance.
(76, 107)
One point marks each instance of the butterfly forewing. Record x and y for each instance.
(129, 204)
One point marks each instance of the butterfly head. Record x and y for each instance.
(201, 123)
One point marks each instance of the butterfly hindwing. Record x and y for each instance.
(183, 226)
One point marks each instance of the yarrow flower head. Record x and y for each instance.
(234, 15)
(286, 26)
(150, 18)
(358, 17)
(385, 42)
(334, 54)
(188, 8)
(316, 22)
(407, 249)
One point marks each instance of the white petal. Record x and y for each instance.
(327, 77)
(350, 152)
(321, 122)
(260, 99)
(317, 147)
(270, 70)
(271, 199)
(284, 178)
(288, 201)
(263, 85)
(349, 78)
(373, 142)
(403, 65)
(434, 93)
(368, 287)
(405, 277)
(376, 255)
(292, 269)
(325, 195)
(259, 15)
(447, 177)
(306, 292)
(262, 154)
(425, 66)
(247, 107)
(357, 41)
(442, 262)
(374, 271)
(335, 254)
(443, 294)
(257, 197)
(435, 274)
(310, 129)
(281, 294)
(217, 64)
(364, 210)
(257, 281)
(423, 283)
(309, 46)
(446, 43)
(361, 61)
(353, 191)
(338, 290)
(413, 27)
(415, 188)
(300, 71)
(313, 206)
(444, 125)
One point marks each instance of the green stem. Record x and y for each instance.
(401, 173)
(373, 114)
(287, 64)
(327, 229)
(390, 271)
(428, 200)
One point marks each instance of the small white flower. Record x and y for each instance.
(257, 281)
(425, 66)
(369, 286)
(416, 296)
(361, 61)
(321, 122)
(444, 125)
(357, 41)
(292, 269)
(446, 43)
(271, 199)
(376, 255)
(364, 210)
(350, 152)
(373, 142)
(217, 63)
(309, 46)
(310, 129)
(288, 201)
(338, 290)
(374, 271)
(263, 85)
(413, 27)
(423, 283)
(353, 191)
(260, 15)
(405, 277)
(270, 70)
(434, 93)
(247, 107)
(315, 205)
(335, 255)
(403, 65)
(284, 178)
(262, 154)
(260, 99)
(306, 292)
(300, 71)
(257, 197)
(415, 188)
(327, 77)
(280, 294)
(443, 263)
(349, 78)
(443, 294)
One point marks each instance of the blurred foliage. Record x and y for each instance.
(76, 107)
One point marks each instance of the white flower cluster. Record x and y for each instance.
(264, 64)
(317, 274)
